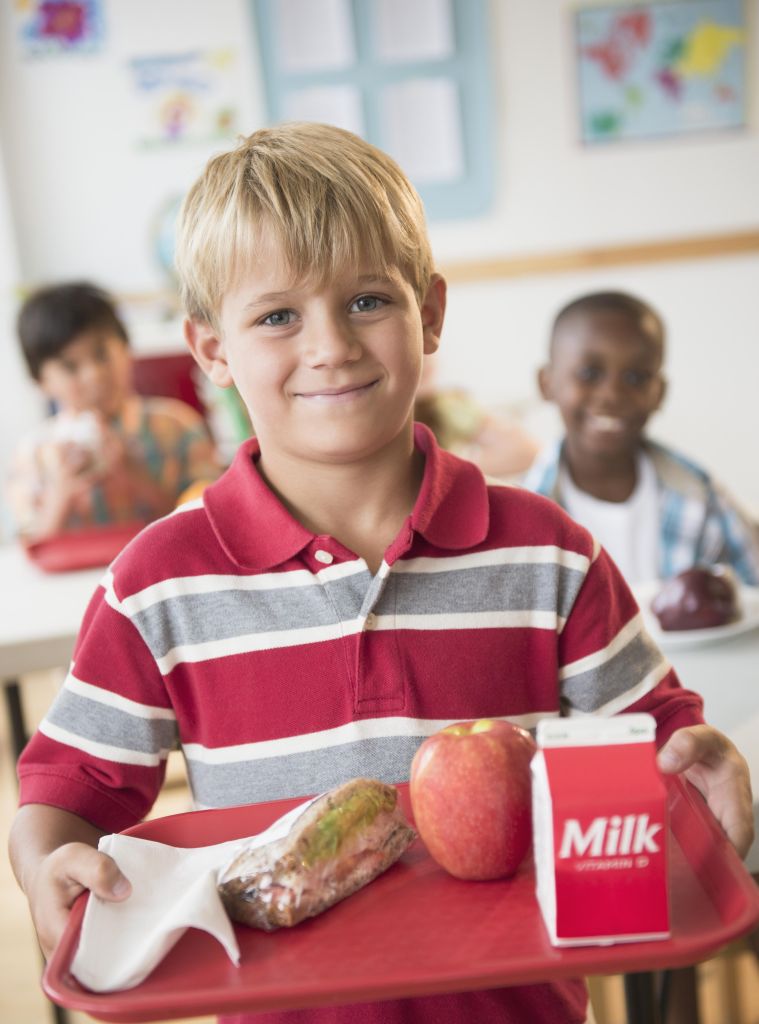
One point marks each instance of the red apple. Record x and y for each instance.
(699, 598)
(471, 796)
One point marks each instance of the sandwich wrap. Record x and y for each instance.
(342, 841)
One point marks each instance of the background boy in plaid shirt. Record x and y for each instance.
(656, 512)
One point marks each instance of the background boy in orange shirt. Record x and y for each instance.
(107, 454)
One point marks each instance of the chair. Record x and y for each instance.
(170, 375)
(177, 375)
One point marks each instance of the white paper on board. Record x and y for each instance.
(314, 35)
(421, 128)
(413, 31)
(329, 104)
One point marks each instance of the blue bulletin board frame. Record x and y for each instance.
(467, 67)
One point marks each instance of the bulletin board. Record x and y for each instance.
(410, 76)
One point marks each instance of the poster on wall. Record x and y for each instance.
(52, 27)
(661, 69)
(185, 97)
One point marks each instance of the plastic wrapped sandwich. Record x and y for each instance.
(342, 841)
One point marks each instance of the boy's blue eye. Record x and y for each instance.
(367, 304)
(280, 318)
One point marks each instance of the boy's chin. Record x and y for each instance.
(345, 455)
(344, 447)
(612, 449)
(108, 407)
(595, 444)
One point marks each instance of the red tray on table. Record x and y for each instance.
(82, 549)
(414, 931)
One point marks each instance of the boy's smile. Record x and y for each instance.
(338, 395)
(328, 371)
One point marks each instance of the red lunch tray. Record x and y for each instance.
(82, 549)
(414, 931)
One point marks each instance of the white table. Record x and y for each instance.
(40, 615)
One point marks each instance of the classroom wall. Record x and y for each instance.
(83, 198)
(20, 406)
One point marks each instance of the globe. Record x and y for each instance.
(164, 235)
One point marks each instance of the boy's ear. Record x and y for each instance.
(433, 313)
(544, 383)
(662, 391)
(208, 350)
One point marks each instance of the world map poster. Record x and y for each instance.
(664, 69)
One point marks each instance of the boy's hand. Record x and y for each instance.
(113, 454)
(60, 878)
(68, 464)
(73, 459)
(66, 488)
(709, 760)
(126, 478)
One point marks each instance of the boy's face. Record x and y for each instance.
(91, 374)
(605, 377)
(328, 372)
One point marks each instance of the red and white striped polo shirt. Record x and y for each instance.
(283, 667)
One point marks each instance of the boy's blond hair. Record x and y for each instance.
(326, 198)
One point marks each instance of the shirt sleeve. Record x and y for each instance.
(609, 664)
(100, 751)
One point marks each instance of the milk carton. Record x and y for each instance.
(600, 830)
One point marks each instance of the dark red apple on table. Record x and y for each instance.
(470, 792)
(699, 598)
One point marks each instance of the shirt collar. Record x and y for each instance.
(257, 532)
(452, 509)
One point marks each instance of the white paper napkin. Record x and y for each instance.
(173, 889)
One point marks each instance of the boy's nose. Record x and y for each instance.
(332, 343)
(93, 372)
(612, 389)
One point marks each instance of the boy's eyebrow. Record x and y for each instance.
(382, 278)
(268, 297)
(265, 299)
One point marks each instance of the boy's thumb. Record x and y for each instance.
(105, 879)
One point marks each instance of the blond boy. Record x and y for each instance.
(347, 588)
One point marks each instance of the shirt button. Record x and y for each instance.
(324, 557)
(371, 621)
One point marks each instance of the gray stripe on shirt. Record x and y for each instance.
(590, 690)
(303, 774)
(512, 587)
(199, 618)
(92, 720)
